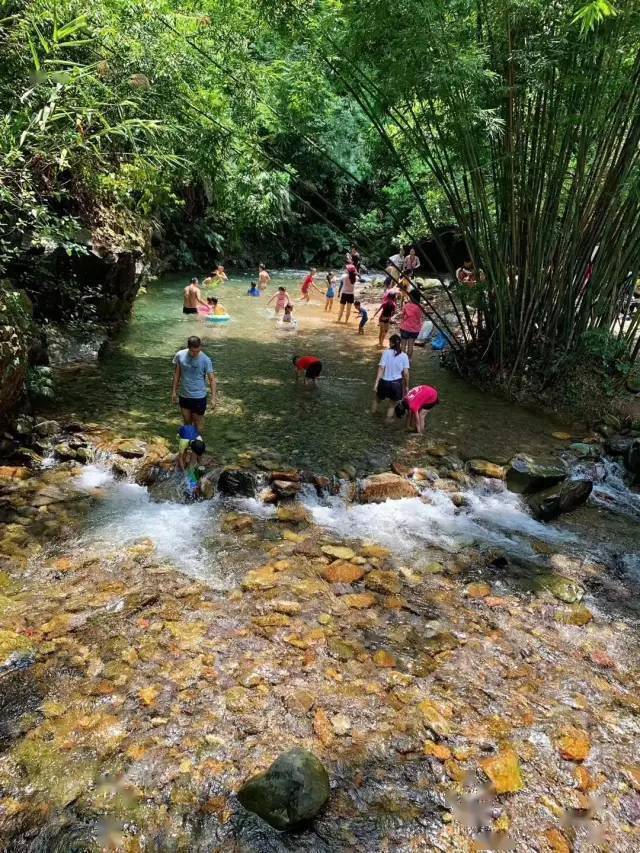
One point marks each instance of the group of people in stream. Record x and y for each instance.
(194, 380)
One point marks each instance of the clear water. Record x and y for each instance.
(260, 405)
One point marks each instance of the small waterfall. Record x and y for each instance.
(611, 487)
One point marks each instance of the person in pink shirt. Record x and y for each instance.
(282, 299)
(413, 315)
(416, 403)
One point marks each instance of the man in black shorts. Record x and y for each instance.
(193, 370)
(192, 298)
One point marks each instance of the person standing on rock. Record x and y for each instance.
(392, 379)
(192, 298)
(193, 372)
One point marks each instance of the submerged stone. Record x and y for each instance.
(504, 772)
(563, 588)
(525, 476)
(290, 793)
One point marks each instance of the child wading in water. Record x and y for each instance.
(330, 294)
(282, 299)
(216, 307)
(287, 317)
(307, 284)
(386, 310)
(364, 316)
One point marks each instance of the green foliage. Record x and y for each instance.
(603, 349)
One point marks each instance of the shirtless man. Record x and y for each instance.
(263, 277)
(192, 298)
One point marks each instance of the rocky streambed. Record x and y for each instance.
(462, 693)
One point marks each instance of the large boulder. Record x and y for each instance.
(237, 482)
(525, 476)
(290, 793)
(381, 487)
(618, 445)
(561, 498)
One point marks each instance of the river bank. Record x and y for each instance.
(156, 676)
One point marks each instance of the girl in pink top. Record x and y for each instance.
(416, 403)
(282, 299)
(412, 318)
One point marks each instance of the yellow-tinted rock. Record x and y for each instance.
(148, 695)
(486, 469)
(372, 550)
(293, 513)
(381, 581)
(437, 750)
(574, 745)
(478, 590)
(237, 699)
(343, 572)
(261, 578)
(556, 840)
(322, 727)
(583, 778)
(504, 772)
(384, 659)
(340, 552)
(359, 601)
(386, 486)
(435, 716)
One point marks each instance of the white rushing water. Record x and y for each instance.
(610, 489)
(126, 513)
(493, 517)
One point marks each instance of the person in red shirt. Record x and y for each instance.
(311, 365)
(307, 284)
(416, 403)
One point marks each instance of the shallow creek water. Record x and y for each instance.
(260, 407)
(164, 652)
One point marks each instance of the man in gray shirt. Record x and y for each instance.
(193, 370)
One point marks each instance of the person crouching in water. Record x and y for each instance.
(287, 317)
(311, 365)
(253, 290)
(392, 379)
(191, 447)
(282, 299)
(416, 403)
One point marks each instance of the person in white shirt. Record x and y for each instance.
(394, 268)
(392, 379)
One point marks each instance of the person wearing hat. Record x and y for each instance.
(416, 403)
(392, 378)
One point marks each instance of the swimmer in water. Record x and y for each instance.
(216, 277)
(253, 290)
(287, 317)
(263, 277)
(282, 299)
(217, 308)
(311, 365)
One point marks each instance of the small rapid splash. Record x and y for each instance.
(126, 513)
(492, 517)
(610, 488)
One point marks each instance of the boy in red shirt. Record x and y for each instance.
(416, 403)
(307, 284)
(311, 365)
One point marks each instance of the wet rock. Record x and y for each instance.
(384, 659)
(574, 745)
(556, 840)
(382, 581)
(486, 469)
(632, 457)
(235, 481)
(290, 476)
(340, 552)
(561, 436)
(504, 772)
(478, 590)
(13, 472)
(47, 428)
(341, 650)
(525, 476)
(294, 514)
(564, 589)
(63, 451)
(300, 701)
(618, 445)
(586, 451)
(359, 600)
(290, 793)
(130, 449)
(577, 614)
(341, 724)
(565, 497)
(386, 486)
(286, 488)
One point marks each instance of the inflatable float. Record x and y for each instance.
(218, 318)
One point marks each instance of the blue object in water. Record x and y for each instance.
(253, 291)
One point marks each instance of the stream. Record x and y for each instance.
(159, 652)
